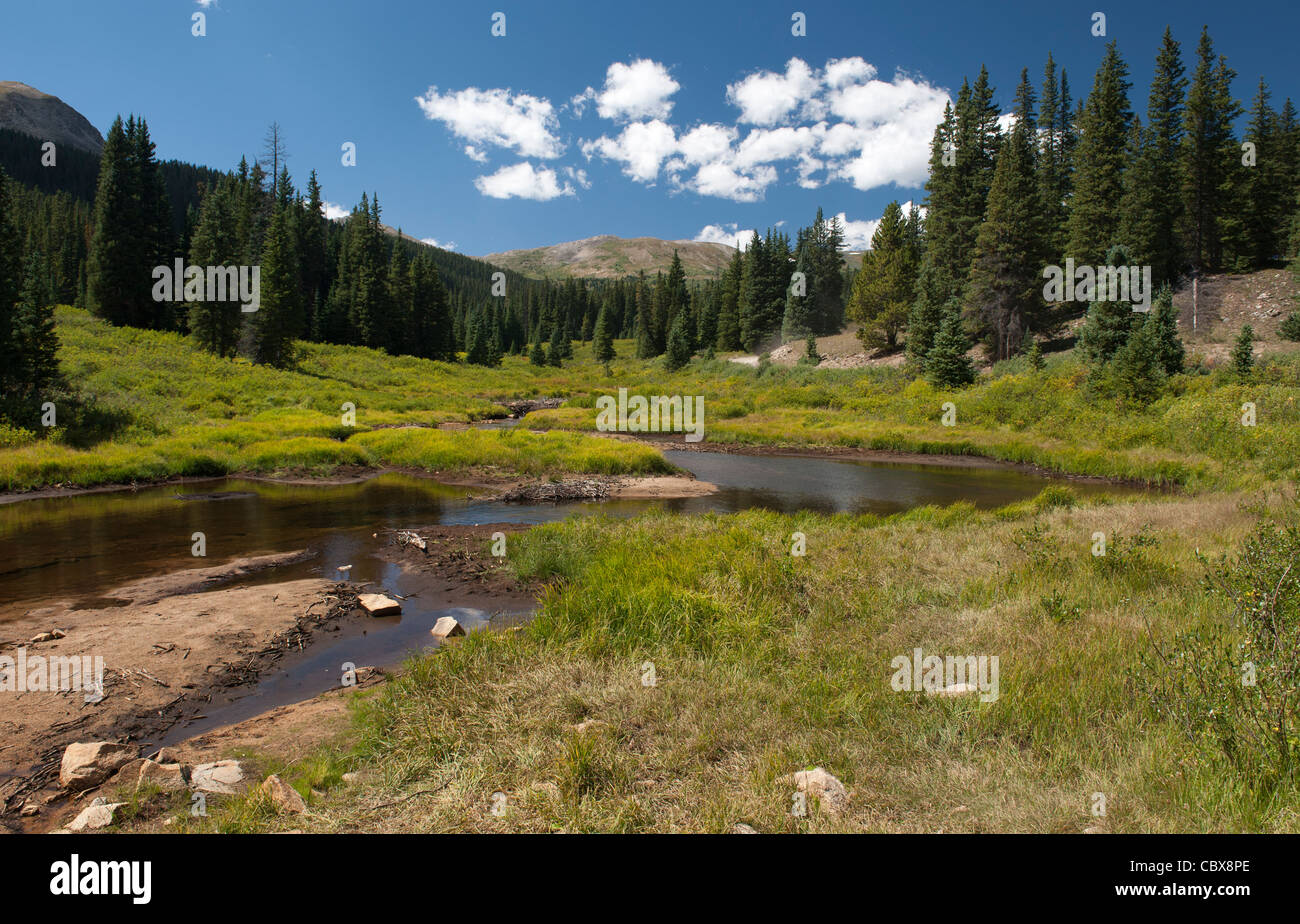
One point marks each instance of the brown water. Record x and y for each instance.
(78, 548)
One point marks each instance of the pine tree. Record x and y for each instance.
(1136, 372)
(1109, 324)
(810, 355)
(537, 356)
(947, 365)
(555, 352)
(10, 354)
(215, 324)
(113, 269)
(1208, 156)
(883, 289)
(1005, 290)
(678, 353)
(1104, 127)
(1264, 203)
(1164, 328)
(602, 344)
(1056, 144)
(1153, 207)
(797, 320)
(1243, 354)
(279, 316)
(1035, 356)
(729, 308)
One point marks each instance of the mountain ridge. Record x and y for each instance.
(606, 256)
(23, 108)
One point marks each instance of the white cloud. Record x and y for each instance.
(521, 123)
(522, 181)
(766, 98)
(857, 234)
(334, 212)
(641, 148)
(475, 154)
(730, 234)
(434, 242)
(640, 90)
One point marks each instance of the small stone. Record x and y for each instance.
(956, 689)
(224, 777)
(283, 796)
(589, 725)
(168, 756)
(167, 777)
(30, 809)
(742, 828)
(89, 763)
(351, 777)
(829, 792)
(447, 627)
(1094, 829)
(94, 817)
(52, 635)
(379, 605)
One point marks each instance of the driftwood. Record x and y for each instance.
(555, 491)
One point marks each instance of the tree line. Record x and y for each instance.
(1091, 182)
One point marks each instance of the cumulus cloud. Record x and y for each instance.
(766, 98)
(641, 148)
(840, 122)
(640, 90)
(521, 123)
(434, 242)
(334, 212)
(523, 181)
(729, 233)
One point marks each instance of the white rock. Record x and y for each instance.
(89, 763)
(742, 828)
(956, 689)
(94, 817)
(225, 777)
(379, 605)
(446, 627)
(283, 796)
(829, 792)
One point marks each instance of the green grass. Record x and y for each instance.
(150, 405)
(765, 663)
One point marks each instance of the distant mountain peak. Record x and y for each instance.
(28, 110)
(609, 257)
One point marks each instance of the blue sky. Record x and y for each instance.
(664, 119)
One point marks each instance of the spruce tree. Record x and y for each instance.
(215, 324)
(678, 353)
(1153, 207)
(1164, 329)
(1055, 146)
(1243, 354)
(1136, 372)
(555, 352)
(947, 365)
(10, 288)
(1104, 127)
(1209, 155)
(729, 309)
(1109, 324)
(279, 316)
(882, 292)
(797, 320)
(537, 356)
(1005, 290)
(113, 268)
(602, 344)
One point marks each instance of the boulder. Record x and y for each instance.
(829, 792)
(93, 817)
(379, 605)
(447, 627)
(283, 796)
(224, 777)
(168, 756)
(167, 777)
(89, 763)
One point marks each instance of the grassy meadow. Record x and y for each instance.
(144, 406)
(766, 662)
